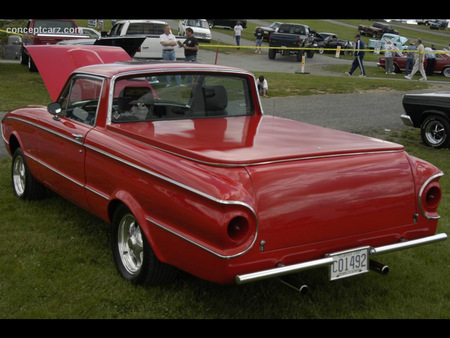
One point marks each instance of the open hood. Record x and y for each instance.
(55, 63)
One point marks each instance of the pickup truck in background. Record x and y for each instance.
(151, 30)
(290, 35)
(376, 30)
(48, 32)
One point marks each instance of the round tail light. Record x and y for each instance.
(238, 228)
(429, 197)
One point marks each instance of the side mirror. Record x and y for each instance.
(55, 109)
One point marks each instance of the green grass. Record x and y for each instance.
(55, 262)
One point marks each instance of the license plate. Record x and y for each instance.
(349, 263)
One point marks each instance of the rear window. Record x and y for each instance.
(145, 28)
(293, 29)
(180, 96)
(54, 24)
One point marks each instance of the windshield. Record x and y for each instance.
(179, 96)
(197, 23)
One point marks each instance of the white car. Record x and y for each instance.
(199, 26)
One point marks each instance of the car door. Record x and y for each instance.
(61, 145)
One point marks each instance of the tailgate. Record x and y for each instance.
(327, 198)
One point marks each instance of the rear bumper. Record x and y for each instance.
(327, 261)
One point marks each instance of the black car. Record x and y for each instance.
(328, 42)
(431, 113)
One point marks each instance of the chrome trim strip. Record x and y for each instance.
(45, 129)
(188, 188)
(284, 270)
(54, 170)
(106, 197)
(421, 193)
(3, 135)
(198, 244)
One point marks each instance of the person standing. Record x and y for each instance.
(190, 46)
(410, 57)
(389, 57)
(359, 56)
(168, 42)
(237, 32)
(419, 57)
(259, 34)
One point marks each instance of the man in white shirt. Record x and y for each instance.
(168, 42)
(237, 33)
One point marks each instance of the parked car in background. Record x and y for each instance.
(328, 43)
(47, 32)
(377, 29)
(439, 24)
(91, 32)
(431, 113)
(199, 26)
(290, 39)
(397, 40)
(442, 65)
(151, 30)
(197, 178)
(269, 30)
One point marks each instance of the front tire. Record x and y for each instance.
(25, 186)
(435, 132)
(134, 258)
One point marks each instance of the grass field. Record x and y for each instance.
(55, 259)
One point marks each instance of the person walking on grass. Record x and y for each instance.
(359, 56)
(419, 58)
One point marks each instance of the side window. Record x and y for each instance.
(81, 98)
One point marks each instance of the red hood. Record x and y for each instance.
(56, 62)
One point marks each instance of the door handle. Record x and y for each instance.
(77, 137)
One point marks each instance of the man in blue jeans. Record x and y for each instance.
(359, 55)
(169, 43)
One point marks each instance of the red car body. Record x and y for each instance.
(227, 198)
(442, 65)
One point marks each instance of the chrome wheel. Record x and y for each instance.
(435, 133)
(130, 244)
(19, 175)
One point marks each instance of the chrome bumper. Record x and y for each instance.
(407, 120)
(327, 261)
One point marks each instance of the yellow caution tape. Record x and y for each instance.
(1, 30)
(330, 49)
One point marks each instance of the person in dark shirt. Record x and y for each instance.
(359, 55)
(190, 46)
(259, 34)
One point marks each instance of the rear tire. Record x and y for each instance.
(134, 258)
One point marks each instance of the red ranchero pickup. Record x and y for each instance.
(191, 174)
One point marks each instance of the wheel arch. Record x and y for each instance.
(433, 112)
(123, 197)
